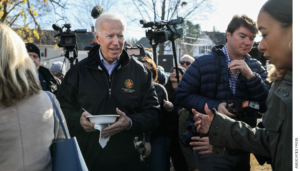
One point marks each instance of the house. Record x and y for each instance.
(190, 45)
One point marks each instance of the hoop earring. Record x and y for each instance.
(290, 45)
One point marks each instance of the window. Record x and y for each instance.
(208, 49)
(202, 49)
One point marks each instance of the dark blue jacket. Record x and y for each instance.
(206, 81)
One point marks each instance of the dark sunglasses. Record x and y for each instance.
(186, 62)
(57, 75)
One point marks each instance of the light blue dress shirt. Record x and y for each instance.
(110, 68)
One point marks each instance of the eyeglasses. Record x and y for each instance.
(185, 62)
(58, 75)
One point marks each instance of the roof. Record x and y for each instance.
(217, 37)
(83, 39)
(143, 41)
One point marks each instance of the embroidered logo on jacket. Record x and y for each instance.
(128, 84)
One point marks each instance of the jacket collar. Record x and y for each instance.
(288, 76)
(219, 52)
(94, 58)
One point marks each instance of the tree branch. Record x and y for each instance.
(57, 3)
(13, 21)
(176, 6)
(137, 8)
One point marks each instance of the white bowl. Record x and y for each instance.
(103, 119)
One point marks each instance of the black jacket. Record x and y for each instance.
(161, 95)
(130, 88)
(48, 81)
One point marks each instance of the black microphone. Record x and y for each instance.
(56, 27)
(143, 21)
(81, 31)
(149, 24)
(97, 11)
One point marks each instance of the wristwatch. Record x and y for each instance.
(251, 78)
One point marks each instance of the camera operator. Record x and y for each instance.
(47, 81)
(225, 79)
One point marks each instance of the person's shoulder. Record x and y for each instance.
(254, 63)
(134, 63)
(159, 86)
(78, 66)
(81, 63)
(38, 99)
(209, 57)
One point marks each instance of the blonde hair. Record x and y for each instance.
(275, 74)
(18, 76)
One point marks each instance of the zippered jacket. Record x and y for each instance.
(52, 83)
(207, 81)
(274, 141)
(130, 88)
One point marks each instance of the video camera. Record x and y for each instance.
(247, 107)
(163, 31)
(138, 51)
(68, 40)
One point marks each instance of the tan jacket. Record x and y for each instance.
(26, 133)
(274, 141)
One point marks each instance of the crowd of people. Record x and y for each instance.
(206, 121)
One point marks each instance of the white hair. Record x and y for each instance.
(110, 16)
(186, 55)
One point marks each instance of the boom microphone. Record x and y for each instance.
(149, 24)
(143, 21)
(97, 11)
(56, 27)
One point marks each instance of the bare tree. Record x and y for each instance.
(80, 11)
(157, 10)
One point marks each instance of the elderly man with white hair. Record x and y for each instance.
(109, 81)
(186, 61)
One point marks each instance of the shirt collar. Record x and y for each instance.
(104, 61)
(224, 49)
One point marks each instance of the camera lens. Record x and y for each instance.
(69, 40)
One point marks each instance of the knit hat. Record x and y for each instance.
(180, 69)
(93, 43)
(149, 54)
(58, 67)
(33, 48)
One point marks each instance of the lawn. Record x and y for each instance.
(255, 166)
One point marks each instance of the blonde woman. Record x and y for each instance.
(26, 113)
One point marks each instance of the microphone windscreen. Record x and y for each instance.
(149, 24)
(143, 21)
(55, 27)
(97, 11)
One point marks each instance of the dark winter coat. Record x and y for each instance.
(48, 81)
(130, 88)
(206, 81)
(275, 140)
